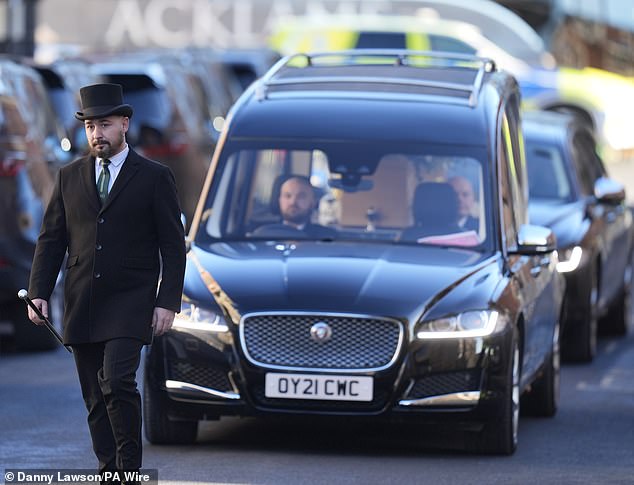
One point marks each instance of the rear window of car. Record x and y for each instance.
(381, 40)
(402, 195)
(547, 174)
(11, 121)
(150, 102)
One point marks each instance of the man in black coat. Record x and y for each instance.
(117, 216)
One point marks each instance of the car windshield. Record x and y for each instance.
(348, 191)
(547, 176)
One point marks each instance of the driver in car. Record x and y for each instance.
(296, 202)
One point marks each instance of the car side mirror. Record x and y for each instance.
(533, 239)
(609, 191)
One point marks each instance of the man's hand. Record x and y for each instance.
(41, 305)
(162, 320)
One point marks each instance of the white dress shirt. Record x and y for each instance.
(116, 162)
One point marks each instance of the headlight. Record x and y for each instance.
(195, 318)
(468, 324)
(569, 259)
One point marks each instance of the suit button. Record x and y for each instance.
(101, 220)
(97, 275)
(98, 247)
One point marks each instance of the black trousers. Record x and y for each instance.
(107, 375)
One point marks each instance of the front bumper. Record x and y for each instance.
(205, 375)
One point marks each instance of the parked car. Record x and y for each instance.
(389, 310)
(63, 79)
(171, 121)
(29, 151)
(249, 64)
(222, 87)
(483, 28)
(571, 193)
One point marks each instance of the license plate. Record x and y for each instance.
(319, 387)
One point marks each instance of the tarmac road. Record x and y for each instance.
(42, 425)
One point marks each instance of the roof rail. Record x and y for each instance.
(380, 57)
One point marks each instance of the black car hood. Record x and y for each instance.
(567, 220)
(380, 279)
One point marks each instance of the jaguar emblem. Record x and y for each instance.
(320, 332)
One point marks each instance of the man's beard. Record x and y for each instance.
(298, 217)
(107, 150)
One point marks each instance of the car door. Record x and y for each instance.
(614, 219)
(535, 274)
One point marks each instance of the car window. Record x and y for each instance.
(443, 43)
(547, 175)
(189, 101)
(361, 191)
(507, 168)
(586, 173)
(151, 104)
(11, 122)
(514, 157)
(37, 110)
(588, 151)
(382, 40)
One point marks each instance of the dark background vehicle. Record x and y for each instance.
(448, 329)
(570, 192)
(63, 79)
(249, 64)
(220, 83)
(30, 155)
(172, 115)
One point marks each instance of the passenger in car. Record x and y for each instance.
(466, 202)
(294, 198)
(435, 211)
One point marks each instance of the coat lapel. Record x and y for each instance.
(88, 182)
(129, 169)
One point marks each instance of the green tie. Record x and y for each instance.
(104, 180)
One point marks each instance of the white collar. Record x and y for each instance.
(117, 159)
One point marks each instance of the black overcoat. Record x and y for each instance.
(115, 252)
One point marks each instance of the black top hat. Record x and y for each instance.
(101, 100)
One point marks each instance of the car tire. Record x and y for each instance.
(159, 429)
(500, 435)
(580, 341)
(543, 398)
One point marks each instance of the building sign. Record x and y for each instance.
(128, 24)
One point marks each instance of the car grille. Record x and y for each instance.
(284, 341)
(447, 383)
(200, 375)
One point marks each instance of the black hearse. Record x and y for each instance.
(392, 309)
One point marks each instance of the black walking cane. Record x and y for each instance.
(24, 295)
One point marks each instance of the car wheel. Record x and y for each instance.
(580, 342)
(159, 429)
(543, 399)
(500, 435)
(619, 316)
